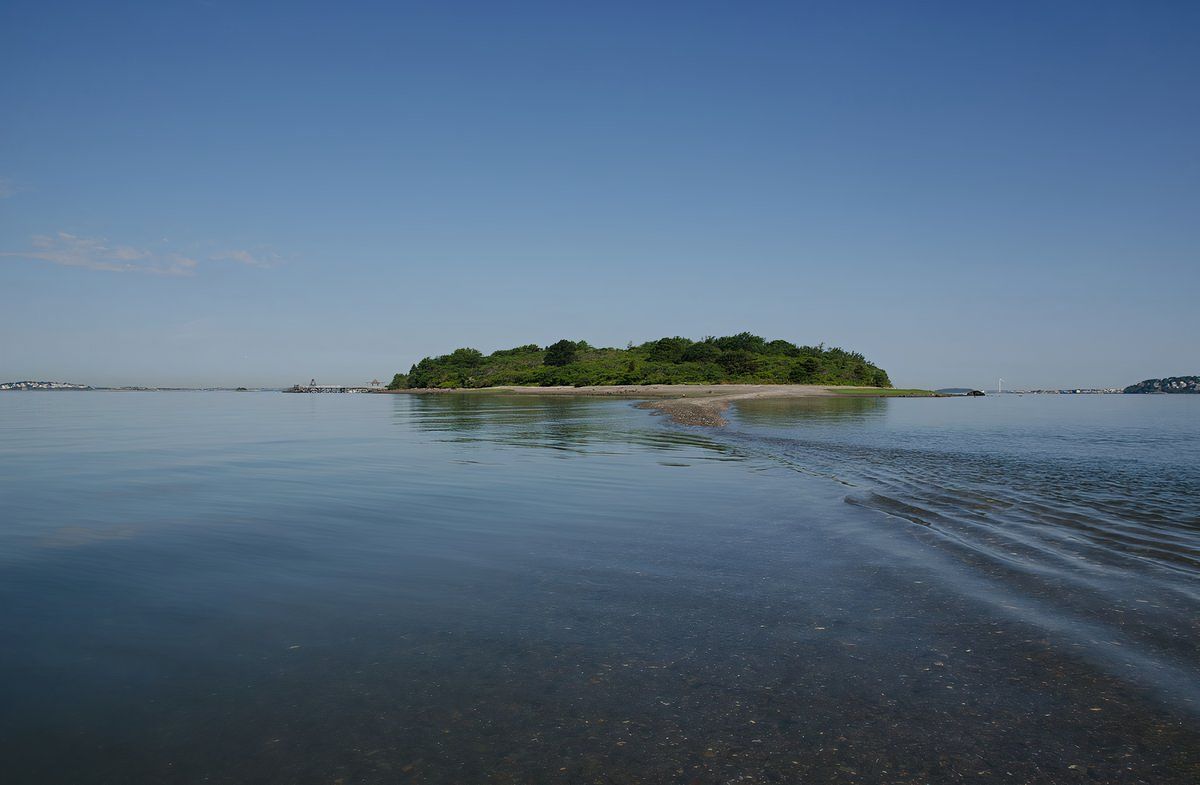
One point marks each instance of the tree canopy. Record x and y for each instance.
(742, 358)
(560, 353)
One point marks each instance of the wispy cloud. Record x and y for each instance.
(256, 259)
(7, 188)
(96, 253)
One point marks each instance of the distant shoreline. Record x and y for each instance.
(687, 404)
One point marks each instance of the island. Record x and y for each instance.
(1171, 384)
(734, 359)
(693, 381)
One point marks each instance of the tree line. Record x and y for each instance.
(744, 358)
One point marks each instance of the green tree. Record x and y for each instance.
(738, 362)
(805, 370)
(786, 348)
(668, 350)
(529, 348)
(747, 358)
(746, 342)
(421, 374)
(560, 353)
(701, 352)
(465, 358)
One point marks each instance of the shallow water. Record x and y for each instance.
(255, 587)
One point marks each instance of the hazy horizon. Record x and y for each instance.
(184, 381)
(209, 194)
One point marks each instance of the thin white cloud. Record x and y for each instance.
(95, 253)
(258, 259)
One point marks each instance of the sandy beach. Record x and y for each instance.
(688, 404)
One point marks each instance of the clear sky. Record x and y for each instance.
(230, 193)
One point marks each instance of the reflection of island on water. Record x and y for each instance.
(796, 411)
(558, 422)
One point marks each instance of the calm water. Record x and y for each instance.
(256, 587)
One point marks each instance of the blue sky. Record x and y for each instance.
(202, 193)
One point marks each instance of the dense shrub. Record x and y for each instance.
(529, 348)
(667, 349)
(704, 351)
(738, 362)
(560, 353)
(673, 360)
(785, 348)
(465, 358)
(746, 342)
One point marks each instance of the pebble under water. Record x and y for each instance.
(265, 588)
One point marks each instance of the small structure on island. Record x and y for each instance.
(375, 382)
(313, 387)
